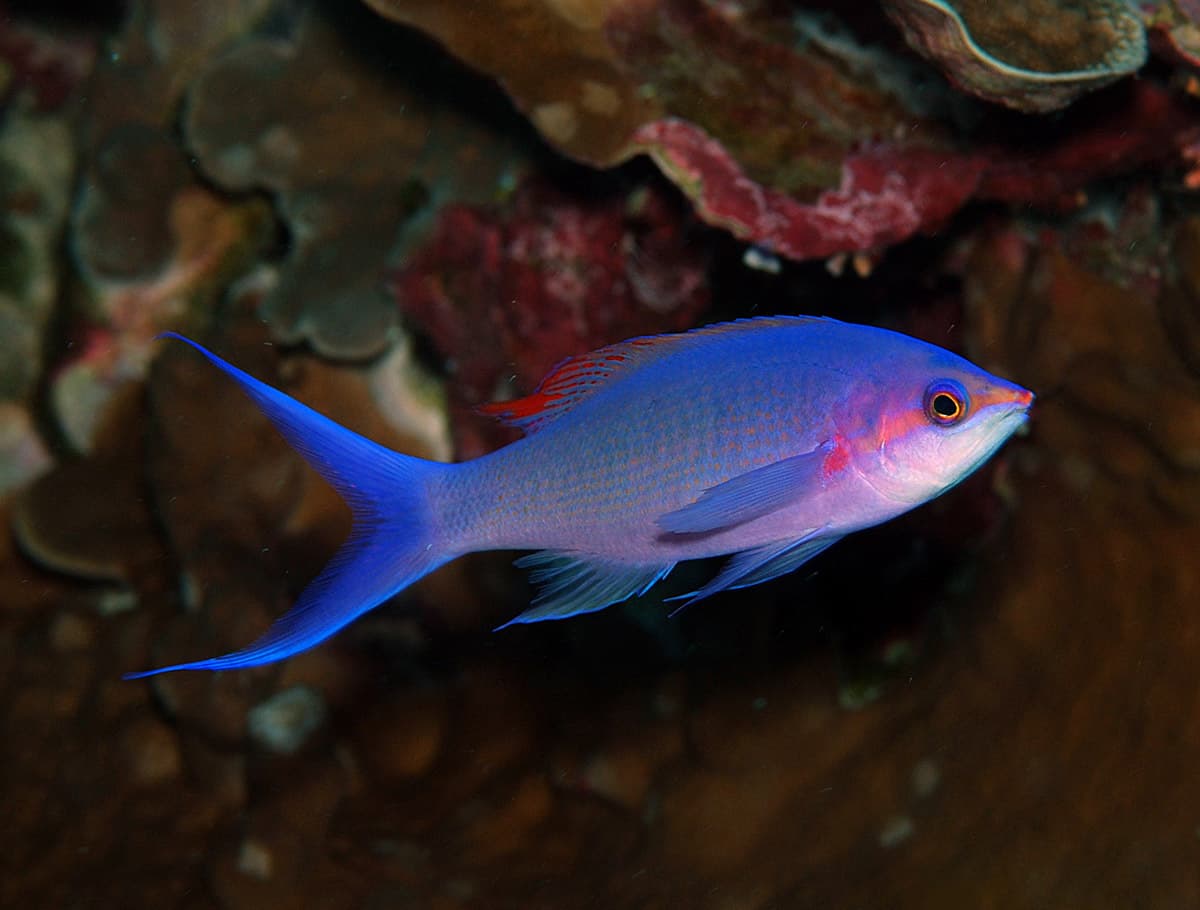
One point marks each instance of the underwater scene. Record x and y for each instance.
(553, 454)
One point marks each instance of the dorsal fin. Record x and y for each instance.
(573, 380)
(568, 383)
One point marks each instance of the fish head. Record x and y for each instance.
(930, 418)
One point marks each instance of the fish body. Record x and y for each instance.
(768, 439)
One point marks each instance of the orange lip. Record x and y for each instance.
(1001, 395)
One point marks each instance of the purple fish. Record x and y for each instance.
(764, 439)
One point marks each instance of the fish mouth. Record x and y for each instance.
(1005, 396)
(1010, 412)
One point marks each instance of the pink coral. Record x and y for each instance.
(886, 195)
(48, 66)
(506, 296)
(890, 192)
(1140, 125)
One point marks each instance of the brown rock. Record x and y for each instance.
(152, 750)
(506, 827)
(72, 632)
(88, 517)
(401, 738)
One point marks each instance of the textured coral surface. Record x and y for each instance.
(1035, 56)
(991, 702)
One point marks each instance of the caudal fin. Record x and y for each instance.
(391, 546)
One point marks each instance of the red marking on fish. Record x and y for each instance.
(837, 459)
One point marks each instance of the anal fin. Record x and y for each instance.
(575, 583)
(753, 567)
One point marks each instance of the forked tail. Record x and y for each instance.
(392, 544)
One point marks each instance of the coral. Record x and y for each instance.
(350, 157)
(1035, 56)
(885, 195)
(820, 145)
(120, 224)
(620, 66)
(36, 160)
(789, 98)
(43, 65)
(987, 702)
(87, 517)
(1087, 275)
(506, 295)
(588, 108)
(1174, 30)
(1181, 317)
(888, 193)
(151, 245)
(1136, 125)
(23, 454)
(149, 63)
(206, 240)
(56, 517)
(286, 720)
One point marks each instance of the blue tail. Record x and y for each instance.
(391, 546)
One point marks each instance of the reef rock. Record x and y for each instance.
(1035, 56)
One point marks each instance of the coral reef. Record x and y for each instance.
(153, 247)
(505, 296)
(1033, 56)
(1174, 30)
(631, 77)
(988, 702)
(36, 159)
(885, 195)
(589, 107)
(204, 240)
(42, 66)
(349, 158)
(840, 147)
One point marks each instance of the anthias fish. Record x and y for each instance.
(764, 439)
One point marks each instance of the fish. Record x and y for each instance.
(766, 440)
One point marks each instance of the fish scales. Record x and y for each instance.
(605, 494)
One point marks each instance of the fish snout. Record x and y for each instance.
(1004, 395)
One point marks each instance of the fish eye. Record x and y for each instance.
(946, 403)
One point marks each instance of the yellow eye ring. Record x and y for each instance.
(945, 403)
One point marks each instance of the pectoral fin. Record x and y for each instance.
(751, 495)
